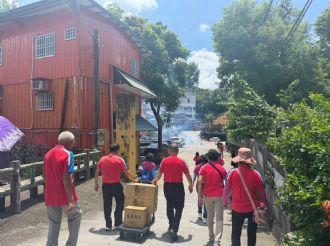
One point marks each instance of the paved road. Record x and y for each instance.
(191, 232)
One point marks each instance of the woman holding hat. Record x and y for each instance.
(241, 205)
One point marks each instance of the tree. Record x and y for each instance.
(115, 10)
(164, 68)
(4, 6)
(303, 151)
(256, 45)
(211, 102)
(250, 116)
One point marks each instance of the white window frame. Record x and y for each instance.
(45, 101)
(1, 55)
(70, 33)
(45, 46)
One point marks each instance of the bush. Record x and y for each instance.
(304, 151)
(250, 116)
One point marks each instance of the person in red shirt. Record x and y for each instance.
(202, 213)
(197, 158)
(111, 167)
(173, 169)
(213, 175)
(240, 203)
(60, 194)
(149, 168)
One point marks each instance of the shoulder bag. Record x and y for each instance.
(218, 172)
(259, 214)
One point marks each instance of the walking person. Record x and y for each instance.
(197, 158)
(202, 213)
(149, 168)
(60, 194)
(240, 203)
(212, 175)
(173, 169)
(111, 166)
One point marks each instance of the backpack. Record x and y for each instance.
(146, 174)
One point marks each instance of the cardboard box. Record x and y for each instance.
(145, 195)
(150, 204)
(145, 191)
(136, 217)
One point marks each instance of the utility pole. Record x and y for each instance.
(96, 56)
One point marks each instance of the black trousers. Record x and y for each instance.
(174, 194)
(110, 191)
(237, 225)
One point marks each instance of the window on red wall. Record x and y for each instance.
(45, 45)
(45, 100)
(134, 68)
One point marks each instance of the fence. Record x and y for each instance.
(274, 175)
(84, 164)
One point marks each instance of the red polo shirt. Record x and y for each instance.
(173, 167)
(111, 167)
(213, 182)
(56, 163)
(240, 200)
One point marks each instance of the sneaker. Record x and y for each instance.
(204, 221)
(107, 229)
(199, 216)
(211, 239)
(173, 234)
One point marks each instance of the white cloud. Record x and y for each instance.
(134, 6)
(204, 27)
(207, 63)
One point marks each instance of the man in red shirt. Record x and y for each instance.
(111, 167)
(240, 204)
(173, 168)
(60, 194)
(212, 175)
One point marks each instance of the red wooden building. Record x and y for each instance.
(65, 64)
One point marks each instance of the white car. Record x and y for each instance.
(178, 140)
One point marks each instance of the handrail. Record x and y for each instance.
(7, 170)
(39, 163)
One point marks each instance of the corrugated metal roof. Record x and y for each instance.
(131, 84)
(43, 8)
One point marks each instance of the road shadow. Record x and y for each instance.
(25, 204)
(198, 222)
(103, 232)
(165, 237)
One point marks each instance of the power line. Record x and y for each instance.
(299, 19)
(268, 10)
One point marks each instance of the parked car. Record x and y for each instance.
(178, 140)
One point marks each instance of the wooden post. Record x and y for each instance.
(15, 196)
(88, 171)
(96, 82)
(34, 188)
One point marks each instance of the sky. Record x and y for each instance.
(192, 20)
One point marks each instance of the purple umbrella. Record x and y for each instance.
(9, 134)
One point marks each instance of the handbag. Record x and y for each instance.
(259, 214)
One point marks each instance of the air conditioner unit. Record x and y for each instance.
(40, 84)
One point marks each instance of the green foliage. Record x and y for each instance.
(211, 102)
(4, 6)
(257, 47)
(322, 29)
(249, 114)
(164, 69)
(303, 148)
(115, 10)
